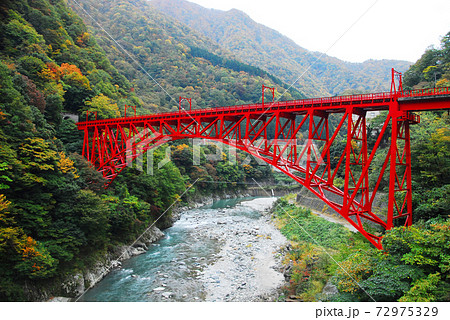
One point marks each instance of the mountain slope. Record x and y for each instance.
(314, 74)
(432, 69)
(165, 59)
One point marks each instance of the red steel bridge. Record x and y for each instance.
(111, 144)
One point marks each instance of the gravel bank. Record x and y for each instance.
(247, 267)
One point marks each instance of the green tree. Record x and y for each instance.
(4, 178)
(422, 289)
(93, 218)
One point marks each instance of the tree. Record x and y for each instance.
(77, 91)
(432, 69)
(38, 158)
(31, 67)
(104, 106)
(35, 97)
(93, 218)
(36, 260)
(12, 101)
(431, 158)
(89, 178)
(66, 165)
(422, 289)
(4, 178)
(70, 136)
(20, 37)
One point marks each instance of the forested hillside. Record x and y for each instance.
(258, 45)
(149, 47)
(431, 139)
(55, 217)
(432, 69)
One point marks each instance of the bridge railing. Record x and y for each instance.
(306, 103)
(426, 92)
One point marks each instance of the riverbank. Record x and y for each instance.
(73, 286)
(319, 243)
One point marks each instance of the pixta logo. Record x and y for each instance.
(144, 144)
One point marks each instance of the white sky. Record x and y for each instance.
(391, 29)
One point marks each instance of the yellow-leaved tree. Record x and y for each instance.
(37, 158)
(66, 165)
(104, 106)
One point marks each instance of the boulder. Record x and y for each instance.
(140, 244)
(137, 251)
(329, 289)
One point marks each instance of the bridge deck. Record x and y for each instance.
(417, 100)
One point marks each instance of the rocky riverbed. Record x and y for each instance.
(248, 265)
(227, 251)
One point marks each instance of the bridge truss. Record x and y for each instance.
(300, 138)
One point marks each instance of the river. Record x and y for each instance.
(226, 251)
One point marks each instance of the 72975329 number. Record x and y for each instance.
(407, 311)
